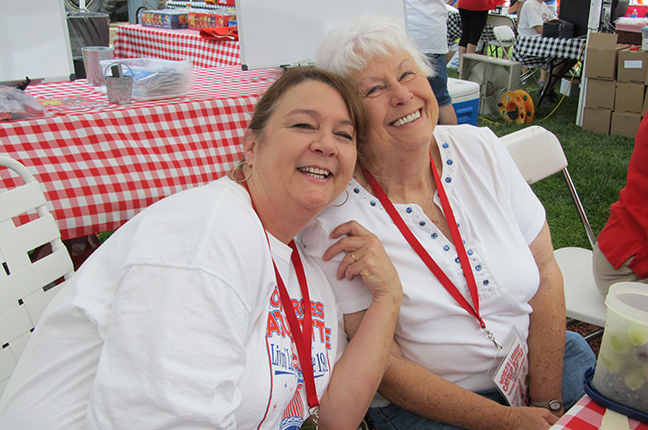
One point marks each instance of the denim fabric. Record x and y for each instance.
(439, 82)
(578, 358)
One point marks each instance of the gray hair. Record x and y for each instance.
(348, 48)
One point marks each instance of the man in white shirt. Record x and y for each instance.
(426, 24)
(533, 15)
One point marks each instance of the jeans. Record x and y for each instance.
(578, 358)
(439, 82)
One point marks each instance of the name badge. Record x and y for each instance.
(512, 374)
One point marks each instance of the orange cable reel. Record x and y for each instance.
(517, 106)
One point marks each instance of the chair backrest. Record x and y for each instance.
(539, 154)
(26, 286)
(504, 33)
(497, 20)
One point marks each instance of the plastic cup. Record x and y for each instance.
(91, 57)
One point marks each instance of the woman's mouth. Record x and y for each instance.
(406, 119)
(314, 172)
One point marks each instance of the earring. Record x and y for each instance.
(240, 165)
(343, 203)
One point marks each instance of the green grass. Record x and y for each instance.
(597, 163)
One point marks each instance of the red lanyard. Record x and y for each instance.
(427, 259)
(303, 338)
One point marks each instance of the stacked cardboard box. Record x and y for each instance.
(616, 88)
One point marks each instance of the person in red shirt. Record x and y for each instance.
(474, 14)
(621, 252)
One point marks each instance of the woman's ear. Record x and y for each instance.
(250, 146)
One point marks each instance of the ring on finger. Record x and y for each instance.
(353, 256)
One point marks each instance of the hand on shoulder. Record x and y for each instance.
(365, 256)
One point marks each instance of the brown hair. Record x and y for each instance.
(267, 106)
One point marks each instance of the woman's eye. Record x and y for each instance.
(373, 91)
(407, 75)
(304, 125)
(345, 135)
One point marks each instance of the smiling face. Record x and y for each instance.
(400, 108)
(305, 156)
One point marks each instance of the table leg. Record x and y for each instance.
(558, 68)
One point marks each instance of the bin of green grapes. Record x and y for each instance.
(621, 371)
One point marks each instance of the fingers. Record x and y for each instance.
(361, 249)
(529, 418)
(363, 255)
(352, 230)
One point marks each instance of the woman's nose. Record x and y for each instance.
(400, 94)
(325, 143)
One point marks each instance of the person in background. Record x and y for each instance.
(474, 14)
(515, 6)
(470, 242)
(426, 23)
(621, 251)
(531, 19)
(202, 312)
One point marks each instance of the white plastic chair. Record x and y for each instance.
(538, 154)
(25, 287)
(505, 37)
(495, 20)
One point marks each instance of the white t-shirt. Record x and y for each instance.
(498, 216)
(426, 23)
(533, 13)
(175, 322)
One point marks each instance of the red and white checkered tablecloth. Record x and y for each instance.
(137, 41)
(100, 164)
(587, 415)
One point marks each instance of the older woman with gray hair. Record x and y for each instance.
(471, 245)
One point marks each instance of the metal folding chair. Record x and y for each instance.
(538, 154)
(505, 38)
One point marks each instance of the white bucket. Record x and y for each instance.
(622, 369)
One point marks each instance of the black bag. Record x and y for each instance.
(558, 28)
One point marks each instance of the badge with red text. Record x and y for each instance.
(512, 375)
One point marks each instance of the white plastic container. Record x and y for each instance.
(154, 78)
(465, 100)
(622, 369)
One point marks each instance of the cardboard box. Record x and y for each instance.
(632, 65)
(597, 120)
(625, 124)
(600, 94)
(602, 50)
(645, 106)
(629, 97)
(198, 20)
(165, 18)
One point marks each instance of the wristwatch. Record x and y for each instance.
(553, 405)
